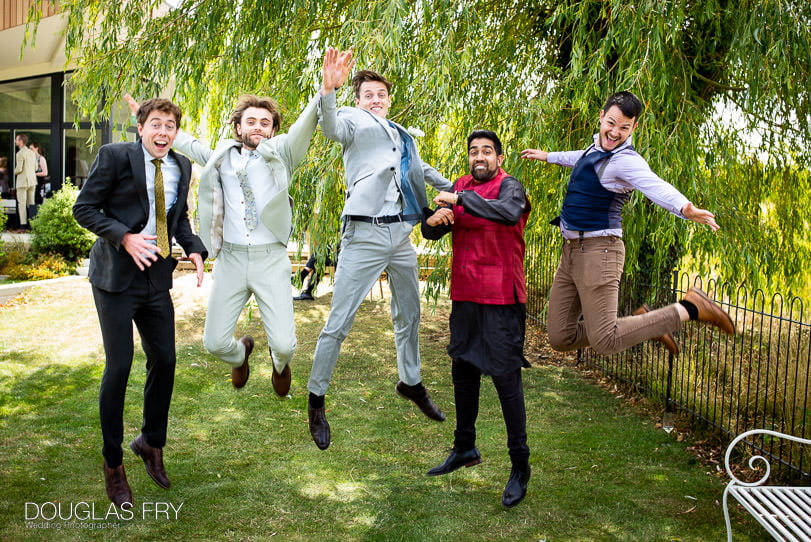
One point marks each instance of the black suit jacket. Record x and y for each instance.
(114, 202)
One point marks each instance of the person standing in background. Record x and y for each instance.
(25, 178)
(43, 185)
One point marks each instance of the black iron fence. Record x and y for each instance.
(760, 378)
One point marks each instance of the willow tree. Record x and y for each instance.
(725, 83)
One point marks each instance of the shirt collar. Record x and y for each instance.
(148, 157)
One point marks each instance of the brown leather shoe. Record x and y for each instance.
(153, 460)
(115, 481)
(281, 382)
(666, 339)
(319, 427)
(239, 375)
(421, 399)
(709, 311)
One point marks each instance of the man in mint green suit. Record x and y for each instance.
(245, 216)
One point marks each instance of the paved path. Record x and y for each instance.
(10, 291)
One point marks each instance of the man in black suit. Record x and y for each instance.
(131, 273)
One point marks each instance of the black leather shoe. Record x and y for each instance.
(516, 488)
(421, 399)
(304, 296)
(239, 375)
(457, 460)
(153, 460)
(115, 482)
(319, 427)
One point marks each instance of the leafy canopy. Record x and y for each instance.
(725, 82)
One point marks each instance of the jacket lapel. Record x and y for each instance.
(182, 189)
(136, 156)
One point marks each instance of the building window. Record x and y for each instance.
(26, 101)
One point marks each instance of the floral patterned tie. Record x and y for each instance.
(251, 216)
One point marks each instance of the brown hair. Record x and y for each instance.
(23, 138)
(365, 76)
(250, 100)
(158, 104)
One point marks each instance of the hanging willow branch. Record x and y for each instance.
(535, 71)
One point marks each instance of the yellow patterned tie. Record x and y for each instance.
(162, 232)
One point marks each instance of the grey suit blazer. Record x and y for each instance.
(372, 158)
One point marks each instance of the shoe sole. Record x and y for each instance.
(137, 451)
(512, 505)
(407, 398)
(466, 465)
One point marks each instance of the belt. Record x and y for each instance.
(377, 220)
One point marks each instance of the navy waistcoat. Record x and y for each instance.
(588, 206)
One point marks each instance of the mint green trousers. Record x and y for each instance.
(239, 272)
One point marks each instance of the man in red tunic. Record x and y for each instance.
(486, 213)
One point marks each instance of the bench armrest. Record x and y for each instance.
(755, 458)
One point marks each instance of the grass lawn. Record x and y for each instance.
(243, 466)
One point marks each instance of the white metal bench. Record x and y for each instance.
(784, 511)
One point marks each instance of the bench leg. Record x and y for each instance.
(726, 514)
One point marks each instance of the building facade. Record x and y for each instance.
(35, 99)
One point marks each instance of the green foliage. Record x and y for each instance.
(724, 82)
(56, 231)
(24, 267)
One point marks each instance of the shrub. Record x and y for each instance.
(23, 267)
(56, 231)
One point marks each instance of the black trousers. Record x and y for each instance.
(154, 316)
(466, 387)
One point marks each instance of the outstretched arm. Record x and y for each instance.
(293, 147)
(701, 216)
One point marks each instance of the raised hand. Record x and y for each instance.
(132, 103)
(336, 68)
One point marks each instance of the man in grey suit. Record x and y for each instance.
(135, 201)
(245, 217)
(385, 195)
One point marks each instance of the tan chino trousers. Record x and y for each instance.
(587, 283)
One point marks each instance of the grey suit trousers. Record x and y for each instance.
(366, 251)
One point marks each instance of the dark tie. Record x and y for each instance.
(161, 230)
